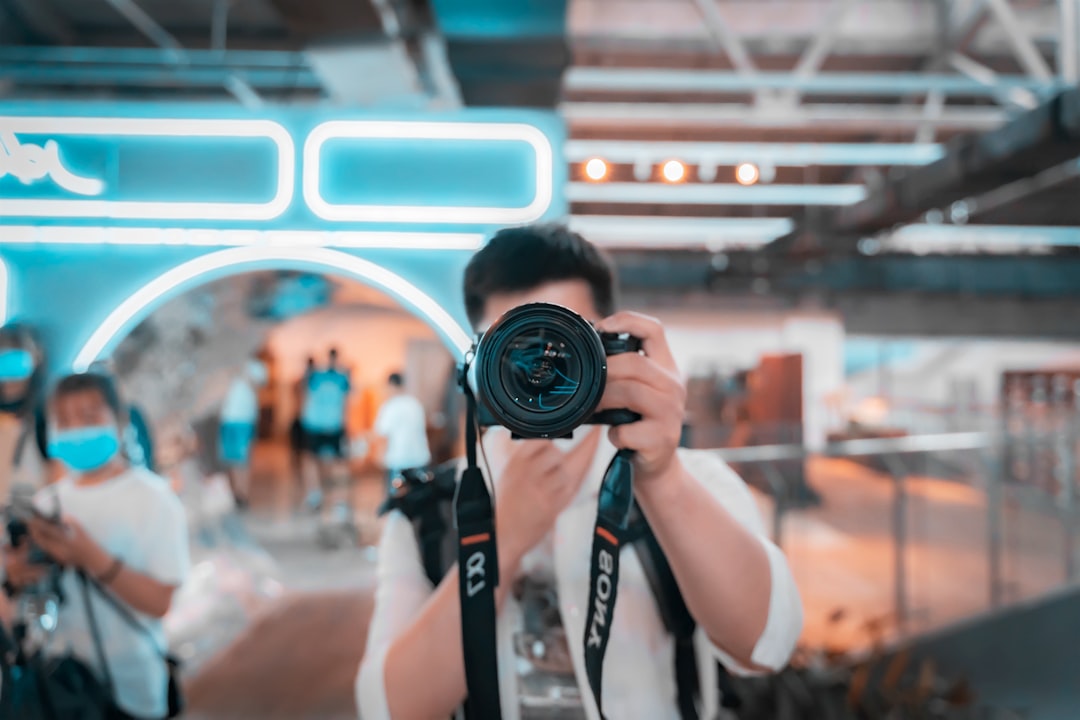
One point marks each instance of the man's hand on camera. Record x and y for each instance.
(18, 569)
(651, 386)
(539, 481)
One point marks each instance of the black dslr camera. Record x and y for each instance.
(540, 372)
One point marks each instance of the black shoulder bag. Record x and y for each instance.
(172, 664)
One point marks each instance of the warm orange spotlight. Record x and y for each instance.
(747, 173)
(596, 169)
(674, 171)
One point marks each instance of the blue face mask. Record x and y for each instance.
(16, 364)
(85, 449)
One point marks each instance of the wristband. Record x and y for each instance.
(109, 575)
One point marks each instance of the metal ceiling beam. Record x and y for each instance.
(1026, 53)
(714, 194)
(722, 34)
(1020, 97)
(646, 232)
(116, 56)
(629, 231)
(1069, 43)
(776, 154)
(158, 76)
(234, 84)
(601, 79)
(868, 118)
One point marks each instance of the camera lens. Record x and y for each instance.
(540, 370)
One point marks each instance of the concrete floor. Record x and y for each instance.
(297, 654)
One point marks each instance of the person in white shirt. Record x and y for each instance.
(119, 525)
(736, 583)
(402, 424)
(239, 417)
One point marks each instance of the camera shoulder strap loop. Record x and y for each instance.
(478, 576)
(616, 499)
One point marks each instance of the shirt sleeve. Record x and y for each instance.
(785, 619)
(165, 541)
(382, 420)
(401, 591)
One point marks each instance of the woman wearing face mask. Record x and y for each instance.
(23, 456)
(119, 525)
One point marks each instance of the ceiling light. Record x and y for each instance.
(596, 169)
(674, 171)
(747, 173)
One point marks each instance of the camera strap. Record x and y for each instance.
(612, 516)
(478, 576)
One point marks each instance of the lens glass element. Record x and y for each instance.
(540, 370)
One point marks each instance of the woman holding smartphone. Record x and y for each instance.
(121, 526)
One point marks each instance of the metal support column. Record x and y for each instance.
(1069, 41)
(780, 493)
(992, 463)
(899, 521)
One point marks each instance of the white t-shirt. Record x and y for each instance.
(402, 422)
(639, 678)
(137, 518)
(241, 404)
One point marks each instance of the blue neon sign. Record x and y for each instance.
(294, 171)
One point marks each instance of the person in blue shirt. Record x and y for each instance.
(322, 420)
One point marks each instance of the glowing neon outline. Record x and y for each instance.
(124, 315)
(161, 127)
(4, 287)
(378, 129)
(172, 282)
(396, 240)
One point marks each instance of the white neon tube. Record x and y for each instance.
(74, 235)
(365, 129)
(157, 127)
(208, 267)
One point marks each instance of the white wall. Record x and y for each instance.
(702, 340)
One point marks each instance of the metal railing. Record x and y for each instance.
(980, 458)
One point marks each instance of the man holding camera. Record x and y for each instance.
(735, 582)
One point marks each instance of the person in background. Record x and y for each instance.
(121, 526)
(297, 443)
(323, 422)
(23, 437)
(239, 417)
(402, 425)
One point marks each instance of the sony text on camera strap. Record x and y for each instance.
(478, 576)
(612, 516)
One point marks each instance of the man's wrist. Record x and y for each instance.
(665, 488)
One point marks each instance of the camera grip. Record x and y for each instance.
(614, 417)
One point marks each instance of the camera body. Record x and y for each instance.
(540, 371)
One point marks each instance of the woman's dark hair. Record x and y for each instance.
(521, 258)
(396, 379)
(91, 382)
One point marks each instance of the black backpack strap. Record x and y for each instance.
(95, 635)
(677, 620)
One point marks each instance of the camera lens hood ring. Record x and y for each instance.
(584, 343)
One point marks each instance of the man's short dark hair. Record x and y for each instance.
(519, 259)
(396, 379)
(333, 353)
(91, 382)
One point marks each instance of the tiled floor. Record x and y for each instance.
(297, 653)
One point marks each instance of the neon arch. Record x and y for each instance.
(247, 259)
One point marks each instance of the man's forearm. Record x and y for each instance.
(431, 650)
(721, 567)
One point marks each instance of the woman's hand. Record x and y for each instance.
(18, 569)
(68, 544)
